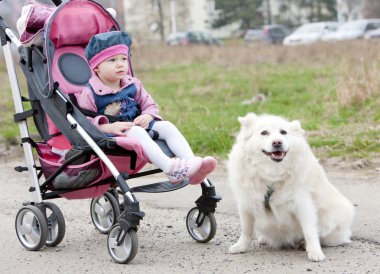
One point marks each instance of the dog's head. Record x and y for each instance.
(269, 136)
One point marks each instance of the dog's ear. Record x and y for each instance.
(247, 120)
(296, 127)
(246, 123)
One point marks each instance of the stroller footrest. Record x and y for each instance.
(160, 187)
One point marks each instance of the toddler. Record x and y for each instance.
(113, 91)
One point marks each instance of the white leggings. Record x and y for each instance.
(173, 138)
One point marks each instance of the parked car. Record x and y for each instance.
(209, 39)
(353, 30)
(372, 34)
(310, 33)
(269, 34)
(192, 38)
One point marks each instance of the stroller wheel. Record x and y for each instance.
(31, 227)
(201, 227)
(127, 249)
(104, 212)
(56, 224)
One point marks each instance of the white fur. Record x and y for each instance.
(304, 207)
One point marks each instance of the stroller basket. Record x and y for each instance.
(73, 176)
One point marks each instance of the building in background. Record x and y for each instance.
(151, 21)
(350, 10)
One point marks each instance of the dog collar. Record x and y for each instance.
(267, 197)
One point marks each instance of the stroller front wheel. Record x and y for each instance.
(104, 211)
(127, 249)
(31, 227)
(201, 227)
(56, 224)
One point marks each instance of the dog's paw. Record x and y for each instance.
(316, 255)
(262, 241)
(238, 248)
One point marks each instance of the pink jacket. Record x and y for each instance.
(86, 99)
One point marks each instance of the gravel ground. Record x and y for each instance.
(164, 243)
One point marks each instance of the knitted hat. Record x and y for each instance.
(105, 45)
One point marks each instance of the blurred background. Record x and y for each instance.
(206, 62)
(154, 21)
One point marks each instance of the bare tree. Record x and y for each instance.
(161, 20)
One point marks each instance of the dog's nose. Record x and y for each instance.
(276, 143)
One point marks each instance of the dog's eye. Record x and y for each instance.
(264, 132)
(283, 132)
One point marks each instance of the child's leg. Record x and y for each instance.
(152, 150)
(174, 139)
(181, 148)
(176, 169)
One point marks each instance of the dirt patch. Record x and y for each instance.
(10, 152)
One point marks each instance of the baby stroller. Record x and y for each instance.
(96, 166)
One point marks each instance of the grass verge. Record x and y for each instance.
(204, 90)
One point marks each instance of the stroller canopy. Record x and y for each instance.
(73, 24)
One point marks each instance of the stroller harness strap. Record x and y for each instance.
(122, 104)
(152, 133)
(90, 113)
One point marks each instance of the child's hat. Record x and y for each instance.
(105, 45)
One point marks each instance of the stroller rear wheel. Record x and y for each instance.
(201, 227)
(31, 227)
(127, 249)
(104, 212)
(56, 224)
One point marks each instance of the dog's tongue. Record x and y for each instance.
(277, 155)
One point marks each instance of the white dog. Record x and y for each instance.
(282, 191)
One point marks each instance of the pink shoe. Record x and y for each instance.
(208, 166)
(182, 169)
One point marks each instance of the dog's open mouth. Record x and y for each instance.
(276, 156)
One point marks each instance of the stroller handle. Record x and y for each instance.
(6, 34)
(3, 24)
(3, 31)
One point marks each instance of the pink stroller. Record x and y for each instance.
(96, 166)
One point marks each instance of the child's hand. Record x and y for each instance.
(116, 128)
(143, 120)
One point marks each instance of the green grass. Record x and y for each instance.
(205, 98)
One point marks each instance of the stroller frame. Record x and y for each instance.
(122, 240)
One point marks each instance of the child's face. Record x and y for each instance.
(113, 69)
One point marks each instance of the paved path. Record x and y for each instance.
(165, 245)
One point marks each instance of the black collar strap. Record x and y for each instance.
(267, 197)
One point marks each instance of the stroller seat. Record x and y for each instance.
(70, 68)
(71, 71)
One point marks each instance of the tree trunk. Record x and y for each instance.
(161, 20)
